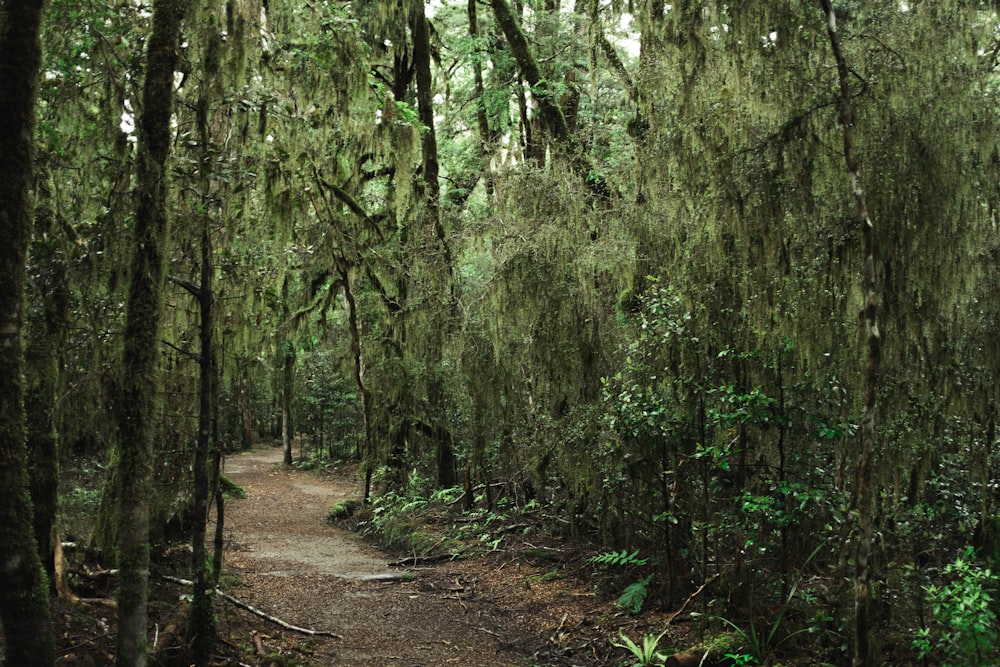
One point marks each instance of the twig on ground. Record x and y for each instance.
(253, 610)
(416, 560)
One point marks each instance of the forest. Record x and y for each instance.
(710, 282)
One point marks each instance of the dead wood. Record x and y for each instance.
(62, 585)
(691, 597)
(253, 610)
(417, 560)
(389, 576)
(694, 658)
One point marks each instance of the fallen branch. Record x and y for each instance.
(389, 576)
(417, 560)
(691, 597)
(258, 612)
(479, 487)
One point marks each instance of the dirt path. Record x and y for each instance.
(291, 564)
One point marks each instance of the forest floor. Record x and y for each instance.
(513, 602)
(492, 609)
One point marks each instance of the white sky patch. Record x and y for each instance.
(430, 9)
(904, 6)
(631, 42)
(127, 123)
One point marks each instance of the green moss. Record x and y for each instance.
(230, 488)
(343, 509)
(723, 643)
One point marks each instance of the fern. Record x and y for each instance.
(634, 595)
(618, 558)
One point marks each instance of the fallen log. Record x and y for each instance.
(253, 610)
(687, 659)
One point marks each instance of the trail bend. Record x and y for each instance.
(290, 563)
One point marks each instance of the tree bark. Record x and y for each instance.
(24, 601)
(545, 96)
(862, 500)
(439, 263)
(142, 328)
(201, 621)
(47, 314)
(487, 137)
(367, 453)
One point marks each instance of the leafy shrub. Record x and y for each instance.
(965, 631)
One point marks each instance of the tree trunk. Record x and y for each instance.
(48, 295)
(367, 453)
(246, 418)
(544, 95)
(439, 262)
(287, 379)
(862, 492)
(142, 333)
(487, 137)
(201, 622)
(24, 602)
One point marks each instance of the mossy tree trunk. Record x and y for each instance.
(286, 389)
(439, 259)
(24, 602)
(136, 407)
(862, 494)
(201, 621)
(49, 300)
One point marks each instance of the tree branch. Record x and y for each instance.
(189, 286)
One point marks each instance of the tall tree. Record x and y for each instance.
(142, 331)
(24, 602)
(48, 292)
(863, 475)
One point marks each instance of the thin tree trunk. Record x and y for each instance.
(246, 418)
(544, 95)
(368, 453)
(287, 378)
(862, 500)
(24, 601)
(48, 292)
(142, 327)
(486, 136)
(201, 622)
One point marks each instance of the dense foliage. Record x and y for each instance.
(605, 252)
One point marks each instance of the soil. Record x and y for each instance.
(497, 605)
(491, 610)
